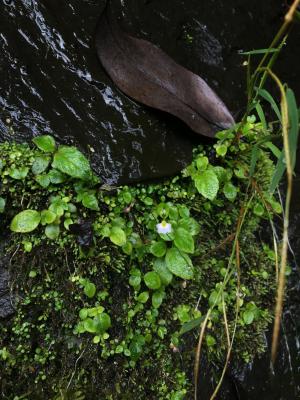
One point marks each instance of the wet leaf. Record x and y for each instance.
(184, 241)
(157, 298)
(89, 289)
(25, 221)
(43, 180)
(72, 162)
(2, 204)
(18, 173)
(89, 325)
(230, 191)
(117, 236)
(248, 316)
(47, 217)
(143, 297)
(102, 323)
(89, 200)
(45, 143)
(152, 280)
(135, 281)
(190, 225)
(145, 73)
(40, 164)
(52, 231)
(160, 267)
(210, 340)
(158, 249)
(202, 163)
(188, 326)
(179, 264)
(56, 177)
(207, 184)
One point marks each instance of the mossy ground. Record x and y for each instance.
(47, 353)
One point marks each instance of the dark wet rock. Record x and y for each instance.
(6, 308)
(84, 232)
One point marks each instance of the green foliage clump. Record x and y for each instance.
(111, 285)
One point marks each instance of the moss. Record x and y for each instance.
(58, 344)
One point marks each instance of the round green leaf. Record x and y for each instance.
(56, 177)
(157, 298)
(83, 313)
(127, 248)
(89, 289)
(221, 149)
(184, 240)
(90, 201)
(117, 236)
(148, 201)
(72, 162)
(183, 313)
(152, 280)
(158, 249)
(90, 325)
(210, 340)
(134, 281)
(43, 180)
(258, 210)
(230, 191)
(102, 323)
(160, 267)
(25, 221)
(179, 264)
(2, 204)
(32, 274)
(45, 143)
(47, 217)
(18, 173)
(202, 163)
(190, 225)
(52, 231)
(40, 164)
(143, 297)
(127, 197)
(207, 184)
(248, 316)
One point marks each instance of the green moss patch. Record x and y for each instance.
(110, 285)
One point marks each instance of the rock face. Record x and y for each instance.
(6, 308)
(147, 74)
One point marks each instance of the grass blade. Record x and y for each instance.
(293, 133)
(261, 115)
(267, 96)
(293, 124)
(254, 157)
(274, 149)
(188, 326)
(259, 51)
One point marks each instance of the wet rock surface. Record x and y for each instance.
(6, 308)
(54, 83)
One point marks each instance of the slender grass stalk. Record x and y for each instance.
(237, 310)
(229, 272)
(278, 42)
(261, 72)
(285, 240)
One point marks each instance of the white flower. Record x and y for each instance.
(164, 227)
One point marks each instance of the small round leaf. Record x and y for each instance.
(25, 221)
(152, 280)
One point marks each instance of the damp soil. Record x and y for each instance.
(52, 82)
